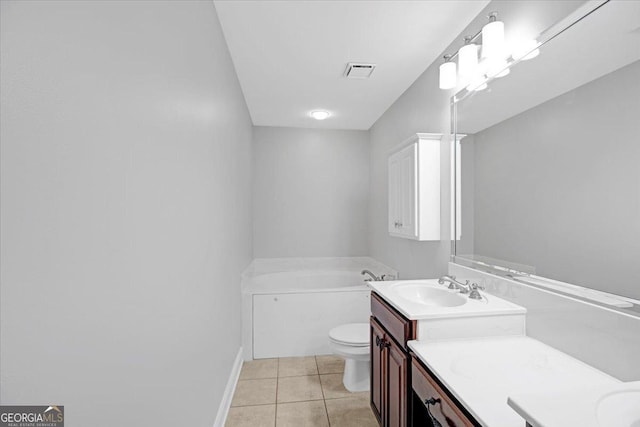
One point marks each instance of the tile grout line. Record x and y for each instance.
(254, 404)
(324, 397)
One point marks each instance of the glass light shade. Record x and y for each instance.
(468, 60)
(493, 45)
(527, 49)
(448, 75)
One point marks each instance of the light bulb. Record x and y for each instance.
(448, 75)
(320, 114)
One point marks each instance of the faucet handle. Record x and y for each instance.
(475, 294)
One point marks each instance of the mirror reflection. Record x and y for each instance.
(550, 163)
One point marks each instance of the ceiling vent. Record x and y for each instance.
(358, 70)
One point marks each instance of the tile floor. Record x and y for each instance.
(297, 392)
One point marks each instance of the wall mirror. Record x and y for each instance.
(549, 172)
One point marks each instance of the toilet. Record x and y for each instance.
(351, 342)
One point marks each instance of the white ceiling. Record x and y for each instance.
(290, 56)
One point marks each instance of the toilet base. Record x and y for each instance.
(356, 375)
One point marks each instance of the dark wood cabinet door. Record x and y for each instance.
(397, 364)
(378, 370)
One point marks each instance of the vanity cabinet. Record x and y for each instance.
(390, 380)
(414, 188)
(431, 402)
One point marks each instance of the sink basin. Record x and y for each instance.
(425, 299)
(620, 409)
(430, 296)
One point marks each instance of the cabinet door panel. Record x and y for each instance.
(378, 370)
(400, 328)
(396, 386)
(394, 194)
(408, 205)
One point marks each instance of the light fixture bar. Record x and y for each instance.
(471, 40)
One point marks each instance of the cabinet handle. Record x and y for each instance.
(433, 402)
(382, 343)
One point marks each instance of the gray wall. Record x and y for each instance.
(310, 192)
(557, 187)
(423, 107)
(126, 210)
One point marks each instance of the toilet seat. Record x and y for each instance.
(351, 334)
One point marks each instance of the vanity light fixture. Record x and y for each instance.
(491, 60)
(448, 75)
(320, 114)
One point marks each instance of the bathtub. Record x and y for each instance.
(288, 311)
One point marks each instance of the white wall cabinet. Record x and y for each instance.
(414, 188)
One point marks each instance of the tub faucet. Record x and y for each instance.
(372, 276)
(454, 284)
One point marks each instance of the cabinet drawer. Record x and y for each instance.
(400, 328)
(446, 411)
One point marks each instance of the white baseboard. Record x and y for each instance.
(225, 404)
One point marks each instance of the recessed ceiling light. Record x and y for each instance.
(320, 114)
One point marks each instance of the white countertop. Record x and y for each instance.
(483, 372)
(577, 407)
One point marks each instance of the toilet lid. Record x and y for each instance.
(351, 334)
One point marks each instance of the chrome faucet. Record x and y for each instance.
(372, 276)
(454, 284)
